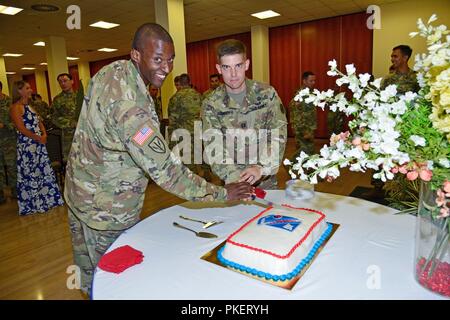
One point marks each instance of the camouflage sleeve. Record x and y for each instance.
(278, 136)
(148, 149)
(294, 108)
(58, 116)
(172, 116)
(80, 98)
(224, 167)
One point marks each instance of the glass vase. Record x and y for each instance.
(432, 254)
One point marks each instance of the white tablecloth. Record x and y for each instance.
(369, 257)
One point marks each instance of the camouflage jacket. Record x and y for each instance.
(184, 109)
(207, 93)
(8, 126)
(405, 81)
(263, 111)
(158, 108)
(116, 145)
(303, 118)
(42, 109)
(66, 110)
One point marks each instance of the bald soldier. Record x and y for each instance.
(249, 112)
(117, 145)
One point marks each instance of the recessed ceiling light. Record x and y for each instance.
(28, 68)
(13, 55)
(72, 58)
(265, 14)
(104, 25)
(107, 49)
(10, 72)
(44, 7)
(39, 44)
(43, 63)
(9, 10)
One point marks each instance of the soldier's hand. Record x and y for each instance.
(251, 174)
(239, 190)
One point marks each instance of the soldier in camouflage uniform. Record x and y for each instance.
(43, 110)
(238, 106)
(184, 109)
(65, 110)
(8, 148)
(304, 118)
(406, 80)
(117, 146)
(214, 82)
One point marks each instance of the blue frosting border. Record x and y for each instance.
(283, 277)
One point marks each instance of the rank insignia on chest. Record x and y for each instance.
(243, 125)
(142, 135)
(279, 221)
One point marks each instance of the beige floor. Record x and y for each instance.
(35, 251)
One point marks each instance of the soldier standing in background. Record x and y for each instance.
(117, 146)
(184, 109)
(8, 148)
(405, 79)
(43, 110)
(66, 109)
(157, 101)
(304, 118)
(214, 82)
(239, 105)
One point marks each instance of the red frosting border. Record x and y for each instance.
(322, 216)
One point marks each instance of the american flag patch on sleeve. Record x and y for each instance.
(142, 135)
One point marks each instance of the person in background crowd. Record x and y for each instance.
(304, 117)
(8, 150)
(184, 109)
(37, 189)
(238, 105)
(214, 82)
(66, 110)
(117, 146)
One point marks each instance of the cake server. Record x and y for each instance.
(200, 234)
(206, 224)
(270, 203)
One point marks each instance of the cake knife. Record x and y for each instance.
(269, 203)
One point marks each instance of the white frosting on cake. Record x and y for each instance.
(275, 249)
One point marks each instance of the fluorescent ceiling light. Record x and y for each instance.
(9, 10)
(10, 72)
(43, 63)
(72, 58)
(39, 44)
(28, 68)
(107, 49)
(13, 55)
(265, 14)
(104, 25)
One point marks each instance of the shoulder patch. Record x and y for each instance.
(142, 135)
(157, 145)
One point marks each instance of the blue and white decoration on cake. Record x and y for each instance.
(280, 221)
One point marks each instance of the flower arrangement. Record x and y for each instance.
(390, 133)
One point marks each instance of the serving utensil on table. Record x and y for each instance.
(206, 224)
(200, 234)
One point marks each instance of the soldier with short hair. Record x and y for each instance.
(117, 146)
(214, 82)
(42, 108)
(8, 148)
(304, 117)
(184, 110)
(66, 108)
(238, 108)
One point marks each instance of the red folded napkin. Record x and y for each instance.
(120, 259)
(260, 193)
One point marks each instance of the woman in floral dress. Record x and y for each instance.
(37, 190)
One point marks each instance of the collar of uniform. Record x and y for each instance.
(249, 99)
(406, 73)
(139, 81)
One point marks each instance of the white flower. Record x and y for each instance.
(418, 140)
(332, 64)
(364, 78)
(389, 92)
(350, 68)
(444, 162)
(287, 162)
(376, 83)
(432, 18)
(408, 96)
